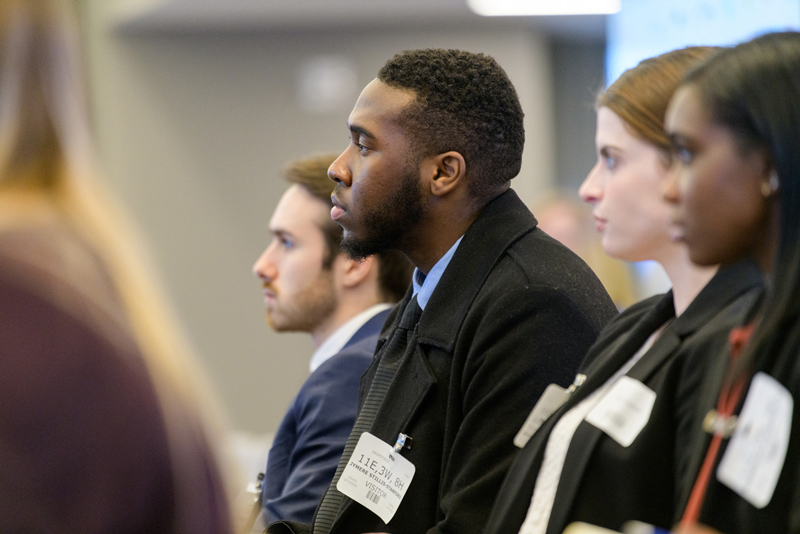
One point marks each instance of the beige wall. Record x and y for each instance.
(191, 131)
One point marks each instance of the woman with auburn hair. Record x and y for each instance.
(735, 127)
(609, 449)
(101, 423)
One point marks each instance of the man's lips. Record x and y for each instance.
(337, 210)
(269, 294)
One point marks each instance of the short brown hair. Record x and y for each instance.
(394, 269)
(641, 94)
(312, 174)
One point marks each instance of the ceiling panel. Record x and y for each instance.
(174, 16)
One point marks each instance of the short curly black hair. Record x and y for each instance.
(465, 103)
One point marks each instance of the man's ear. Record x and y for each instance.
(352, 272)
(447, 172)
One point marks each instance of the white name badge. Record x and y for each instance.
(376, 477)
(754, 458)
(624, 410)
(551, 400)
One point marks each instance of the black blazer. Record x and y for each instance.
(604, 483)
(723, 509)
(514, 311)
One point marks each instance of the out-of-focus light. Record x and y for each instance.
(510, 8)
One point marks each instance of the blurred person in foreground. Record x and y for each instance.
(311, 286)
(735, 128)
(614, 448)
(497, 309)
(102, 421)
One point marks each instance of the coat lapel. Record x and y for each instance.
(618, 353)
(409, 387)
(501, 223)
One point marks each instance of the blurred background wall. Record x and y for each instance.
(197, 104)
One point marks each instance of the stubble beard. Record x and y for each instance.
(307, 309)
(388, 225)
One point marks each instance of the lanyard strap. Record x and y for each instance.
(721, 422)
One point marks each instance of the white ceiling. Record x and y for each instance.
(174, 16)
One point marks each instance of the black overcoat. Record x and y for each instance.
(514, 311)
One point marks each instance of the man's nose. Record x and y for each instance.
(339, 171)
(264, 267)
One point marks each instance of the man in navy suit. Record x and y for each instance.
(309, 286)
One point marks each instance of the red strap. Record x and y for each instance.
(726, 404)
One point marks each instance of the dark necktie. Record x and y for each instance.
(387, 367)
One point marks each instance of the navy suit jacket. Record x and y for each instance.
(312, 435)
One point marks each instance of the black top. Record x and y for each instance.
(602, 482)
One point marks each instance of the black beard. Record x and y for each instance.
(391, 223)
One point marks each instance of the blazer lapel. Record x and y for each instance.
(617, 354)
(368, 328)
(729, 284)
(575, 465)
(587, 436)
(601, 362)
(661, 351)
(725, 287)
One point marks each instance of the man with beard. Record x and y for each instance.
(497, 310)
(309, 286)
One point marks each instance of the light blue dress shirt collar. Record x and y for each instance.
(424, 285)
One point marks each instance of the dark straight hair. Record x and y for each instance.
(753, 90)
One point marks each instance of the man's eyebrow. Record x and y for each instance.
(360, 131)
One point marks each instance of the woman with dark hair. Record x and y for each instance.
(608, 450)
(735, 127)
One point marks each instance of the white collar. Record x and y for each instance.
(336, 341)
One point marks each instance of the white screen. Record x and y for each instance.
(646, 28)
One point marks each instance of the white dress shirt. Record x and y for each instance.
(336, 341)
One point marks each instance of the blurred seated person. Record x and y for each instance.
(101, 425)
